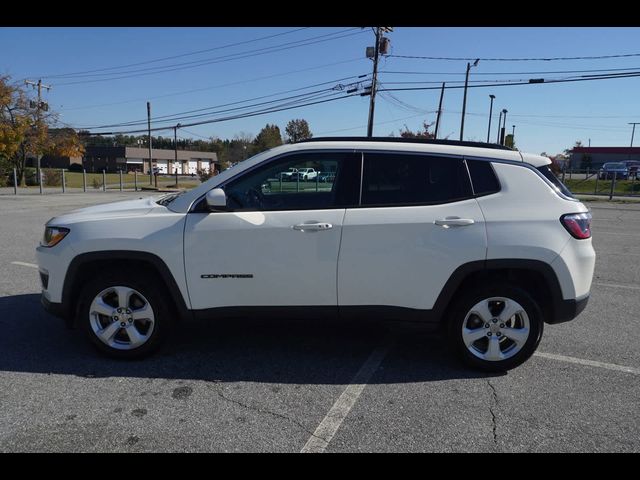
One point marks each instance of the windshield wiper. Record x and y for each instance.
(167, 199)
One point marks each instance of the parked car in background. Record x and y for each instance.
(634, 168)
(614, 169)
(289, 175)
(305, 174)
(326, 177)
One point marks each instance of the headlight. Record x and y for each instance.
(53, 236)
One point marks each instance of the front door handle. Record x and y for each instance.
(454, 222)
(312, 227)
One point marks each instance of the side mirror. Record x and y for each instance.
(216, 199)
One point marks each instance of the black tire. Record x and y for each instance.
(144, 283)
(462, 307)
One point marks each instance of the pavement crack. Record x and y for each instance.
(266, 412)
(493, 413)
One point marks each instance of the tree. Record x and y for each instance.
(568, 151)
(25, 131)
(268, 137)
(425, 133)
(297, 130)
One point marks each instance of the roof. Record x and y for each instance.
(430, 141)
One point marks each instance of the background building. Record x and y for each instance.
(594, 157)
(129, 159)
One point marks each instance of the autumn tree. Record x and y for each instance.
(424, 133)
(24, 131)
(297, 130)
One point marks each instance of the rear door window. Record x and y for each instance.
(396, 179)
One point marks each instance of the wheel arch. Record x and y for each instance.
(84, 264)
(536, 277)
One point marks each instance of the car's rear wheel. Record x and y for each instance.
(124, 315)
(496, 328)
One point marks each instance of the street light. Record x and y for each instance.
(492, 97)
(464, 101)
(499, 123)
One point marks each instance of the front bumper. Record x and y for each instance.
(56, 309)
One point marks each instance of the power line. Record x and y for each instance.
(61, 75)
(194, 133)
(235, 117)
(220, 59)
(539, 59)
(376, 123)
(404, 72)
(177, 116)
(291, 44)
(212, 87)
(298, 98)
(530, 82)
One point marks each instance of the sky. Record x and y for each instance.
(102, 76)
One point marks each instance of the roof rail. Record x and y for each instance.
(408, 140)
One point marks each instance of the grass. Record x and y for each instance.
(276, 186)
(622, 187)
(94, 181)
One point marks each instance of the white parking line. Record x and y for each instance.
(320, 439)
(590, 363)
(24, 264)
(615, 285)
(618, 233)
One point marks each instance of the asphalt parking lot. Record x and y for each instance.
(291, 387)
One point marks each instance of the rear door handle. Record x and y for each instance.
(312, 227)
(454, 222)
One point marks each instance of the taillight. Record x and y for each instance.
(577, 224)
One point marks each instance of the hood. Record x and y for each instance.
(127, 208)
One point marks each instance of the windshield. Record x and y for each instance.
(614, 165)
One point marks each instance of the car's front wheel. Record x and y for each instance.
(124, 315)
(496, 328)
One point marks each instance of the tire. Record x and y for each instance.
(139, 305)
(483, 334)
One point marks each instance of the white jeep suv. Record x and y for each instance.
(476, 238)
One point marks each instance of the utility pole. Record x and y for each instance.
(464, 101)
(149, 135)
(513, 132)
(372, 100)
(435, 134)
(175, 144)
(374, 80)
(39, 106)
(492, 97)
(633, 131)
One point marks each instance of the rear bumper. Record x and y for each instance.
(567, 310)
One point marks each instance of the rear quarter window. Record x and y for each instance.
(483, 177)
(549, 175)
